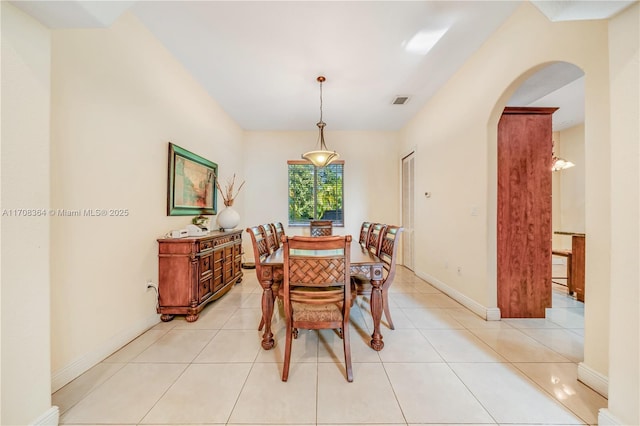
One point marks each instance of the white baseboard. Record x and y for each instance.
(593, 379)
(493, 314)
(85, 362)
(49, 418)
(489, 314)
(605, 418)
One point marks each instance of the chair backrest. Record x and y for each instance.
(279, 229)
(375, 237)
(270, 237)
(388, 250)
(321, 228)
(259, 243)
(364, 233)
(317, 289)
(317, 270)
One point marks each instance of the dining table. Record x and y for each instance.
(362, 262)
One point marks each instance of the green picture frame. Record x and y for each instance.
(191, 188)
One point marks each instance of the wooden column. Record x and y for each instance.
(524, 212)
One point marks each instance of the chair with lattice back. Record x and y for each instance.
(374, 239)
(364, 233)
(361, 286)
(320, 228)
(270, 237)
(317, 290)
(279, 230)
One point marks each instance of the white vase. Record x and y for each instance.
(228, 218)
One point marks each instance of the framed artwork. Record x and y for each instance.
(192, 183)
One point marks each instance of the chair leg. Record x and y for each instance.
(385, 307)
(287, 352)
(347, 351)
(261, 324)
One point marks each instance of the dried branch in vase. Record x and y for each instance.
(228, 194)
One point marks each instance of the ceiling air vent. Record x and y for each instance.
(400, 100)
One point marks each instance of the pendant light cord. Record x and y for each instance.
(321, 123)
(321, 157)
(320, 80)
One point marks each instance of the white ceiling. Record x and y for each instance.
(259, 60)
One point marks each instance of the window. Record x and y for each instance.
(315, 193)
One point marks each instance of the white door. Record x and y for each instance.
(408, 164)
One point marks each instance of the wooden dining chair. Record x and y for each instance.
(320, 228)
(270, 237)
(317, 290)
(279, 230)
(260, 253)
(375, 237)
(364, 233)
(361, 286)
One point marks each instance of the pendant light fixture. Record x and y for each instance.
(322, 157)
(559, 163)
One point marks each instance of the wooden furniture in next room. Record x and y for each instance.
(194, 271)
(524, 212)
(566, 254)
(316, 290)
(576, 265)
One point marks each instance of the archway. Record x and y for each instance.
(558, 85)
(553, 84)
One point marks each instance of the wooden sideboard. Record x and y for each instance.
(194, 271)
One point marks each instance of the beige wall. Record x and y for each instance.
(624, 361)
(460, 123)
(568, 186)
(118, 98)
(26, 85)
(371, 177)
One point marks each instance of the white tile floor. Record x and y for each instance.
(441, 365)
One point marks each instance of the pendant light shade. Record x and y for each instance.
(559, 163)
(322, 157)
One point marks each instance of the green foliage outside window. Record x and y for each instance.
(315, 193)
